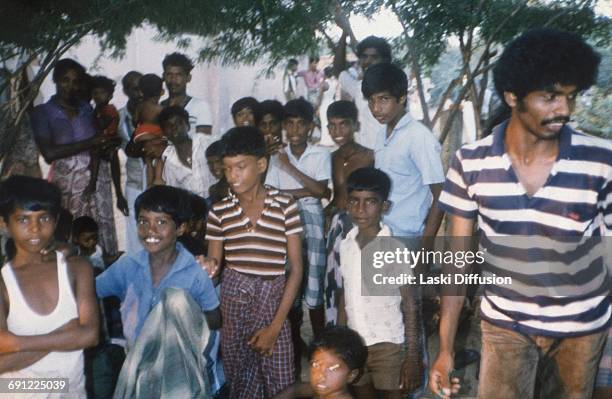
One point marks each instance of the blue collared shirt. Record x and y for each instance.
(50, 121)
(129, 278)
(411, 158)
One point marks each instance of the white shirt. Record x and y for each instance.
(370, 127)
(199, 115)
(315, 162)
(376, 318)
(196, 179)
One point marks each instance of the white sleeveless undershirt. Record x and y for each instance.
(22, 320)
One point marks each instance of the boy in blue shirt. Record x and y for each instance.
(163, 292)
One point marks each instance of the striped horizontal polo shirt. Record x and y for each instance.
(259, 249)
(550, 244)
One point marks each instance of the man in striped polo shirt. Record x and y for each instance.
(535, 177)
(255, 230)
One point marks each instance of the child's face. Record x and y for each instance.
(215, 165)
(157, 231)
(341, 130)
(298, 129)
(100, 96)
(366, 208)
(87, 240)
(31, 230)
(271, 128)
(244, 117)
(329, 374)
(386, 108)
(175, 129)
(243, 172)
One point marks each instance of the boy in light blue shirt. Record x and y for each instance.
(407, 151)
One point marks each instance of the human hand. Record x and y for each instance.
(263, 340)
(209, 265)
(411, 376)
(273, 144)
(440, 382)
(48, 253)
(106, 143)
(122, 205)
(283, 158)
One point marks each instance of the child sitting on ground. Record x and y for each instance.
(48, 309)
(106, 121)
(336, 361)
(148, 132)
(220, 189)
(167, 303)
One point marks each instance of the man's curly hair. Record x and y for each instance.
(540, 58)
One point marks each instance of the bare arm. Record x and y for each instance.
(451, 306)
(264, 339)
(314, 188)
(412, 367)
(51, 151)
(82, 334)
(204, 129)
(435, 215)
(213, 318)
(292, 286)
(13, 361)
(297, 390)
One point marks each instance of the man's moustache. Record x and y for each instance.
(560, 119)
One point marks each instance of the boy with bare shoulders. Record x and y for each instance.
(48, 309)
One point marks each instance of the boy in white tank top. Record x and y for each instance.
(48, 309)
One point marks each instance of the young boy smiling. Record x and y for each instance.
(302, 171)
(255, 230)
(165, 298)
(48, 309)
(386, 323)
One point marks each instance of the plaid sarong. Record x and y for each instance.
(313, 222)
(166, 360)
(72, 176)
(247, 305)
(604, 374)
(339, 227)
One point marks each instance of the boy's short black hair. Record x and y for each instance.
(343, 109)
(151, 85)
(247, 102)
(369, 179)
(299, 108)
(215, 149)
(103, 82)
(172, 111)
(130, 75)
(64, 65)
(540, 58)
(243, 140)
(274, 108)
(179, 60)
(84, 224)
(30, 194)
(313, 58)
(292, 61)
(172, 201)
(346, 343)
(199, 207)
(381, 45)
(384, 77)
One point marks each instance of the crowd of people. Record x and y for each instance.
(229, 237)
